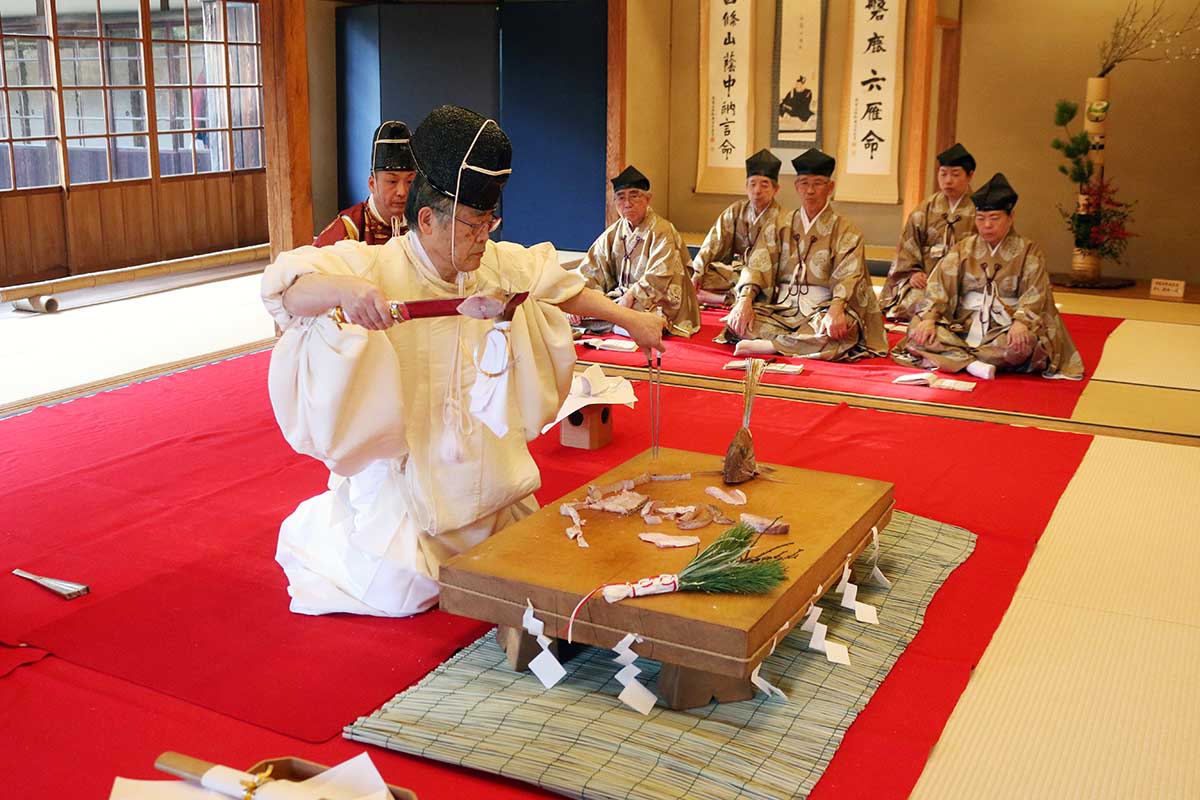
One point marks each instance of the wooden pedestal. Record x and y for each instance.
(709, 644)
(589, 428)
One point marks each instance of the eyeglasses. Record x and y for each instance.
(817, 184)
(630, 195)
(488, 225)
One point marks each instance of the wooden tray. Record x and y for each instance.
(831, 517)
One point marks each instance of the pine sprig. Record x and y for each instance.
(727, 566)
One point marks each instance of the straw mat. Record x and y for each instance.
(579, 740)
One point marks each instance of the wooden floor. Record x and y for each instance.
(1087, 688)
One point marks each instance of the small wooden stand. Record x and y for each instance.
(589, 428)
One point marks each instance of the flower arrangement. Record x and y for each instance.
(1099, 222)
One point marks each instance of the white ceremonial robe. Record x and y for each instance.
(415, 478)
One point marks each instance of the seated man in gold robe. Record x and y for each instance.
(640, 260)
(726, 249)
(988, 304)
(815, 300)
(381, 215)
(931, 230)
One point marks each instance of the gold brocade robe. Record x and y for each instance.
(727, 248)
(932, 229)
(649, 261)
(976, 295)
(795, 290)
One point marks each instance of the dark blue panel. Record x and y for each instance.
(358, 98)
(436, 53)
(554, 107)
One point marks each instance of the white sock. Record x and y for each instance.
(982, 370)
(754, 347)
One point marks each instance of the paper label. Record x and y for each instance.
(1167, 288)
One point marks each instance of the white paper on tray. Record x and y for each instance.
(784, 369)
(591, 388)
(356, 779)
(932, 380)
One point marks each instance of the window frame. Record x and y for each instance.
(57, 44)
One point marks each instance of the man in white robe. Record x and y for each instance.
(423, 424)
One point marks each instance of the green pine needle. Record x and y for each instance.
(726, 565)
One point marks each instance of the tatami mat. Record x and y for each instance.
(1123, 533)
(1088, 688)
(1152, 354)
(1128, 308)
(49, 353)
(1075, 703)
(1139, 408)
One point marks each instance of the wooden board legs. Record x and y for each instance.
(681, 688)
(520, 647)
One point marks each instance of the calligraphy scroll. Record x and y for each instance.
(869, 155)
(797, 87)
(726, 112)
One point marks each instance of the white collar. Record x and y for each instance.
(956, 203)
(754, 218)
(375, 211)
(808, 223)
(425, 264)
(630, 229)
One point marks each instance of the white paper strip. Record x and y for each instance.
(761, 683)
(879, 579)
(634, 695)
(545, 666)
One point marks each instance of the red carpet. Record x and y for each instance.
(166, 498)
(1026, 394)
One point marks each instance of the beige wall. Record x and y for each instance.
(692, 212)
(1022, 55)
(322, 109)
(647, 92)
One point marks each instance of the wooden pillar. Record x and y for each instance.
(924, 29)
(615, 159)
(285, 105)
(947, 108)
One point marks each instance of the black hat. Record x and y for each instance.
(814, 162)
(995, 195)
(763, 163)
(445, 138)
(957, 156)
(390, 148)
(630, 178)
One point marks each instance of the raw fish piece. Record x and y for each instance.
(625, 502)
(484, 305)
(735, 497)
(698, 517)
(665, 540)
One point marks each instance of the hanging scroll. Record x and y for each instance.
(796, 84)
(726, 113)
(869, 155)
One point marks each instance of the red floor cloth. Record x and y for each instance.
(15, 656)
(1026, 394)
(67, 732)
(194, 466)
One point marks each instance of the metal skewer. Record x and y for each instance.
(654, 363)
